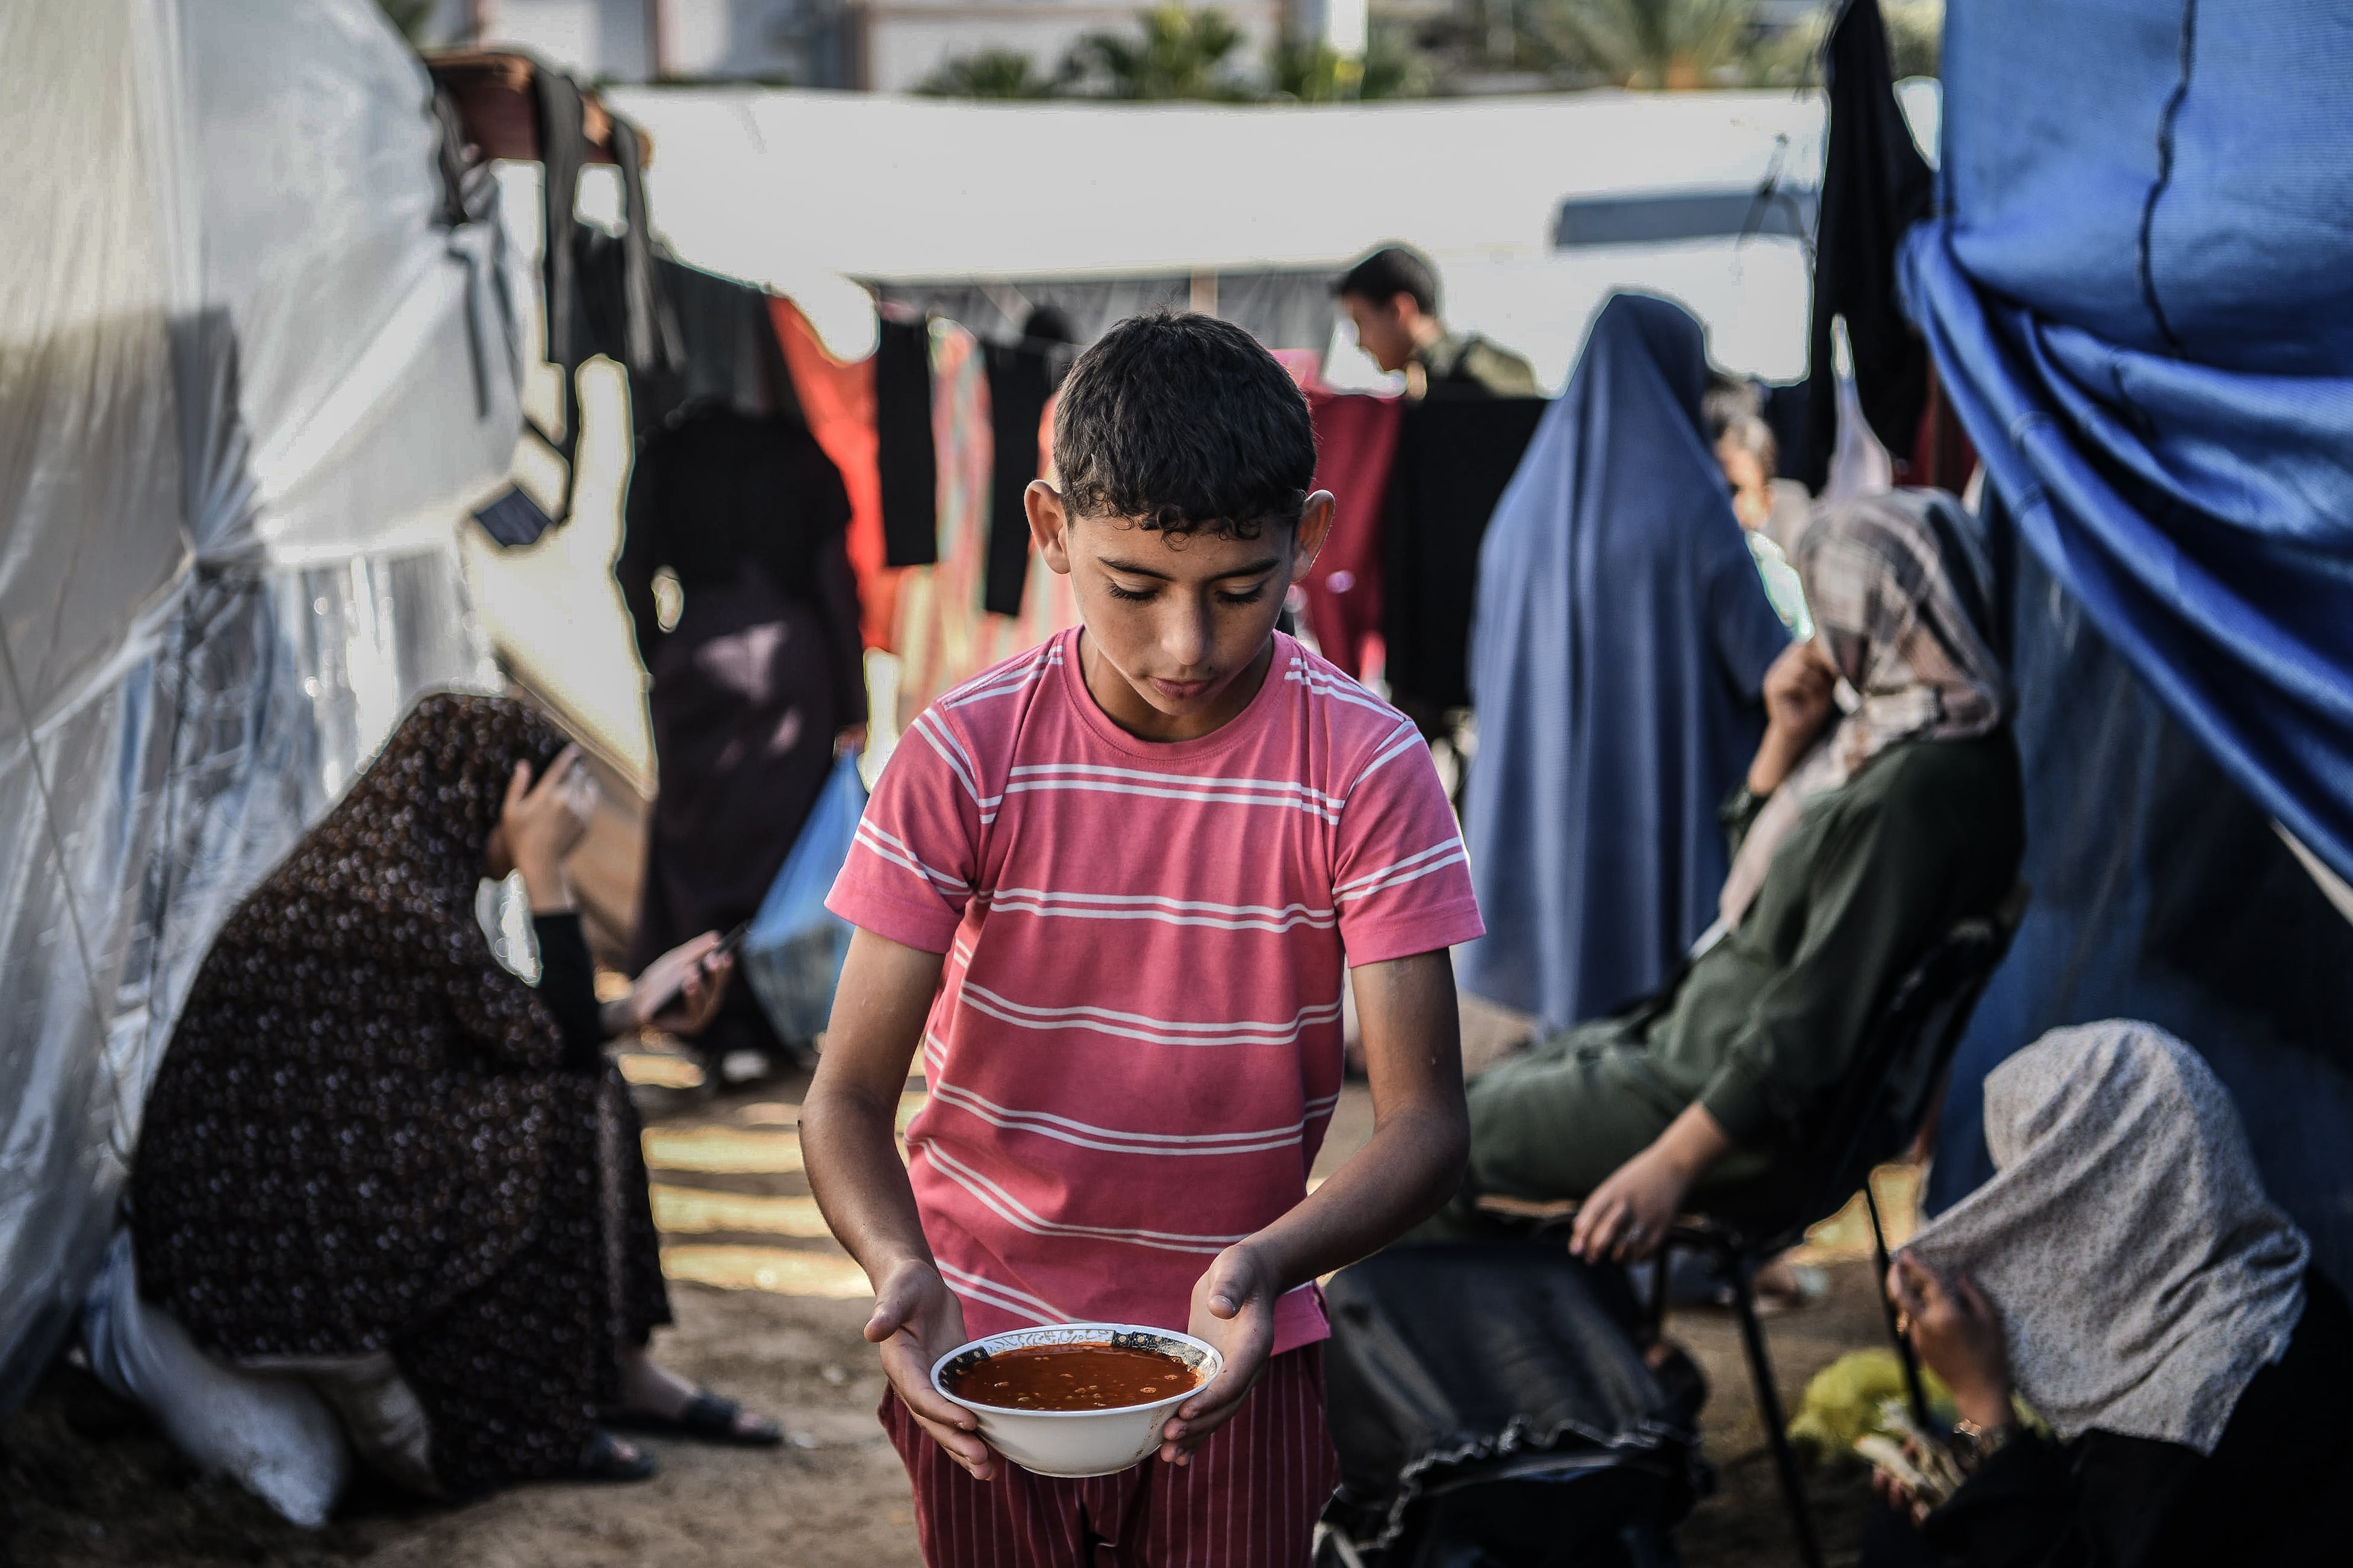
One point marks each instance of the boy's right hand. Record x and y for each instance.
(917, 1319)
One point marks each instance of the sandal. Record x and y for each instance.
(708, 1417)
(605, 1457)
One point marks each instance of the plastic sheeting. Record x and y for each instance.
(2140, 300)
(2161, 892)
(251, 380)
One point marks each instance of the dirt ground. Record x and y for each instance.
(85, 1480)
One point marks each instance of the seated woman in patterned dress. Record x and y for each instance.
(374, 1157)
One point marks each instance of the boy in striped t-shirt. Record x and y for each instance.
(1111, 890)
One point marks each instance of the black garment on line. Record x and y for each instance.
(909, 463)
(1454, 457)
(717, 494)
(1876, 186)
(1021, 380)
(726, 350)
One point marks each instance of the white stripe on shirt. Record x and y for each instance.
(1085, 1135)
(1167, 911)
(1020, 1303)
(1016, 1213)
(1138, 1026)
(1365, 881)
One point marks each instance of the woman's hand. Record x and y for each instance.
(1233, 1308)
(1959, 1335)
(679, 992)
(917, 1319)
(543, 822)
(1627, 1217)
(1797, 690)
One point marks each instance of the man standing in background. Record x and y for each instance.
(1392, 297)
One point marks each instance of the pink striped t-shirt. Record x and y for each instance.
(1135, 1048)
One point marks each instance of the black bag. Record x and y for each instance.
(1491, 1407)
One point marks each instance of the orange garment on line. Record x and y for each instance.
(837, 403)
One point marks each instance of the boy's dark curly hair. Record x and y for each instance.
(1182, 423)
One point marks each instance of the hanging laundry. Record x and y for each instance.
(1876, 186)
(944, 633)
(751, 687)
(1020, 381)
(1622, 639)
(837, 402)
(1454, 456)
(904, 450)
(1356, 444)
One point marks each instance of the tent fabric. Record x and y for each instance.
(2140, 302)
(1620, 641)
(256, 381)
(2161, 892)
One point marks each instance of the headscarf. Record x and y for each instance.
(1898, 587)
(2142, 1275)
(412, 830)
(350, 1126)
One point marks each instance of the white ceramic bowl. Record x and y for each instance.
(1078, 1442)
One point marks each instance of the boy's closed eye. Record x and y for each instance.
(1224, 597)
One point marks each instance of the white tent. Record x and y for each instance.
(254, 367)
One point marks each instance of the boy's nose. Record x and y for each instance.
(1186, 639)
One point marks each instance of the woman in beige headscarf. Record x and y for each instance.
(1882, 806)
(2124, 1274)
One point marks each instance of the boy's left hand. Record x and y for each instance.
(1233, 1308)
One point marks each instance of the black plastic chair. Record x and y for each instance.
(1897, 1084)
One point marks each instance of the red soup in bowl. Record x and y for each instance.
(1072, 1377)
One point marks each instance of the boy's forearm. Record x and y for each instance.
(1405, 1172)
(849, 1147)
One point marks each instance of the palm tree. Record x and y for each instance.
(988, 73)
(1652, 43)
(1178, 54)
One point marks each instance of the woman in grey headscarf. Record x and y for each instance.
(2124, 1273)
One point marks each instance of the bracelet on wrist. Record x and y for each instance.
(1973, 1443)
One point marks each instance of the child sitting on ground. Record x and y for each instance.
(1109, 889)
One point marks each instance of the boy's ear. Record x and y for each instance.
(1048, 519)
(1315, 528)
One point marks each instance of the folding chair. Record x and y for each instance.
(1897, 1083)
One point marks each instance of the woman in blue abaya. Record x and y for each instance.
(1620, 642)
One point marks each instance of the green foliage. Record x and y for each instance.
(989, 73)
(411, 17)
(1650, 43)
(1178, 54)
(1317, 73)
(1916, 34)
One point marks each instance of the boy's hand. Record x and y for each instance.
(1233, 1308)
(917, 1319)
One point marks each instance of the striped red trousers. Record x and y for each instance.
(1248, 1498)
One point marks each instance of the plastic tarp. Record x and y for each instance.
(2161, 892)
(250, 378)
(2140, 298)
